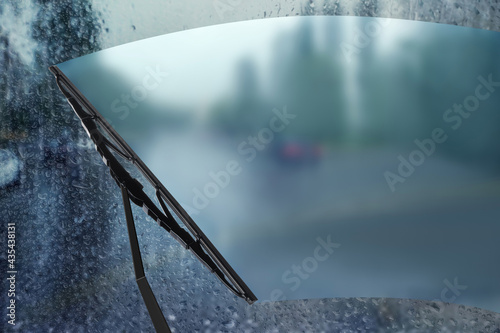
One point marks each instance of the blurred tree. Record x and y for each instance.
(309, 82)
(246, 112)
(14, 118)
(63, 30)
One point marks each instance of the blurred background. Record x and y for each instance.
(73, 258)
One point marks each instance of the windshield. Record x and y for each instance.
(345, 167)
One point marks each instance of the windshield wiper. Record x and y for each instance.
(132, 190)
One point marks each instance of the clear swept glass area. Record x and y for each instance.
(323, 156)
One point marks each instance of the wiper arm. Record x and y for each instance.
(148, 296)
